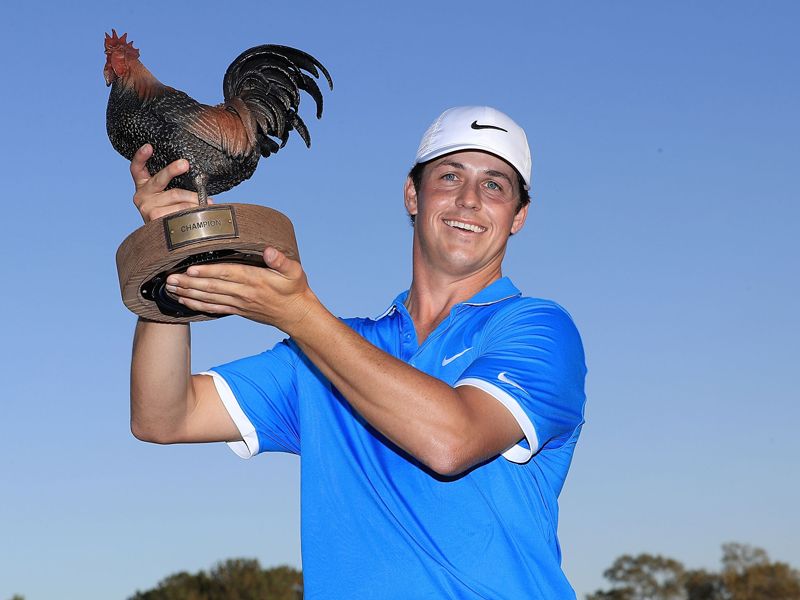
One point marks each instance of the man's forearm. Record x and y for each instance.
(430, 420)
(160, 379)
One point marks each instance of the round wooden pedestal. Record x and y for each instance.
(207, 234)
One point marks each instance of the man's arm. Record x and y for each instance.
(168, 404)
(448, 429)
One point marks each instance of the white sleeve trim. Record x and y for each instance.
(249, 447)
(517, 453)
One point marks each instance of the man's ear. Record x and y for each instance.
(519, 219)
(410, 196)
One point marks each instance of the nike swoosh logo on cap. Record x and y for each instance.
(475, 125)
(447, 361)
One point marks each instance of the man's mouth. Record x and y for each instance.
(465, 226)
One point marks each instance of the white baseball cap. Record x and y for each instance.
(477, 128)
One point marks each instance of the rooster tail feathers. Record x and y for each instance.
(301, 129)
(311, 87)
(268, 79)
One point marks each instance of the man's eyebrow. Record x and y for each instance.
(451, 163)
(492, 173)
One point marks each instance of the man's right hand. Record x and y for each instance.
(152, 198)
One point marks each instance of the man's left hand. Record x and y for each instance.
(278, 295)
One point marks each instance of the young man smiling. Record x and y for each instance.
(436, 438)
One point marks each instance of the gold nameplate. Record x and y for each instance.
(199, 225)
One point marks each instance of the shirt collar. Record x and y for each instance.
(497, 291)
(502, 289)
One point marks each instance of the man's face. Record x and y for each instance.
(466, 207)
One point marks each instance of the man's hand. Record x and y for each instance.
(278, 295)
(152, 198)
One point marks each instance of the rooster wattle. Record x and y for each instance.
(222, 143)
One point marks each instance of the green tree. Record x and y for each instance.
(747, 574)
(704, 585)
(233, 579)
(643, 577)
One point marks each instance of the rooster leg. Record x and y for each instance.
(200, 180)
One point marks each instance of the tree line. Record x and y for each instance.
(746, 573)
(233, 579)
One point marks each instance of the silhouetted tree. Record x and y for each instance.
(234, 579)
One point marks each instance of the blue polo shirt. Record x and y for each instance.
(376, 523)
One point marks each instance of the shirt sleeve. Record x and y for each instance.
(260, 394)
(531, 360)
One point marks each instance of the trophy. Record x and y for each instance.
(223, 145)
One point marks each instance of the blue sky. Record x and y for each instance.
(665, 216)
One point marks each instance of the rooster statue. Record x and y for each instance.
(222, 143)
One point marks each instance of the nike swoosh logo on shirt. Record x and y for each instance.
(447, 361)
(504, 378)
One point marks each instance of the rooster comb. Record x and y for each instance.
(114, 41)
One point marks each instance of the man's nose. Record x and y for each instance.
(469, 197)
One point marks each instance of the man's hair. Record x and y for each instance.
(416, 178)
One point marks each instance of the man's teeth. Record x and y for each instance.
(466, 226)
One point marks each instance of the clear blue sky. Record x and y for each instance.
(665, 218)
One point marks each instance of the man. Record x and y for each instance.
(435, 439)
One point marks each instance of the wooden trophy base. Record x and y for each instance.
(232, 233)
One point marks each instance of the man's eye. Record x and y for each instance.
(449, 176)
(493, 185)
